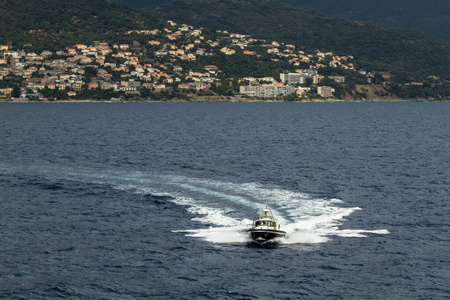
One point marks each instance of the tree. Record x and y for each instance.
(16, 91)
(308, 81)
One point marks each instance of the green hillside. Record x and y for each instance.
(431, 17)
(408, 54)
(418, 14)
(139, 54)
(50, 24)
(144, 3)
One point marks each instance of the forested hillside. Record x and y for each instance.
(50, 24)
(88, 47)
(144, 3)
(407, 54)
(428, 16)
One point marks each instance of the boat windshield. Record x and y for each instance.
(265, 213)
(264, 223)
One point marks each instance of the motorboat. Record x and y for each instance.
(264, 227)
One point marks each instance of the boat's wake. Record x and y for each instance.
(224, 209)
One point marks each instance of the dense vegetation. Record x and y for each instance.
(428, 16)
(144, 3)
(50, 24)
(432, 18)
(407, 54)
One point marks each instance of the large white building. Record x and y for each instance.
(294, 78)
(266, 91)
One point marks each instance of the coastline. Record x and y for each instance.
(222, 100)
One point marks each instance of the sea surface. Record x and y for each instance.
(152, 200)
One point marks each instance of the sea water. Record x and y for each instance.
(153, 200)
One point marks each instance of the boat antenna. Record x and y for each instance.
(266, 203)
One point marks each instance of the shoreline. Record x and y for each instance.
(236, 100)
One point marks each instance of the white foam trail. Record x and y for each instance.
(223, 229)
(305, 219)
(359, 232)
(304, 237)
(220, 235)
(226, 206)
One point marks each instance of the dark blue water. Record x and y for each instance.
(152, 200)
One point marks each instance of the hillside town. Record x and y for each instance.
(177, 62)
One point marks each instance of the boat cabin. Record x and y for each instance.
(264, 226)
(265, 223)
(263, 219)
